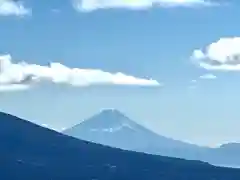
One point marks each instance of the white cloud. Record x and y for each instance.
(13, 7)
(193, 81)
(208, 76)
(223, 54)
(22, 75)
(90, 5)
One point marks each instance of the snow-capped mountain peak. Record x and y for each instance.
(113, 129)
(108, 110)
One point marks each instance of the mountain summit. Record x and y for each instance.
(107, 119)
(112, 128)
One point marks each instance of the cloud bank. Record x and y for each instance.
(21, 76)
(13, 8)
(90, 5)
(222, 55)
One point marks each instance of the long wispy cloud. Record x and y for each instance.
(90, 5)
(22, 75)
(222, 55)
(13, 8)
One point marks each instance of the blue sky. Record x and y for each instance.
(179, 64)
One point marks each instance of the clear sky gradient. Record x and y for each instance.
(198, 97)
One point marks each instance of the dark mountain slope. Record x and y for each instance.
(32, 152)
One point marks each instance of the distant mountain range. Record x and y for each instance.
(112, 128)
(29, 151)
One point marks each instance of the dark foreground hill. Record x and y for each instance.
(31, 152)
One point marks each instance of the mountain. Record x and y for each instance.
(226, 155)
(112, 128)
(29, 151)
(230, 147)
